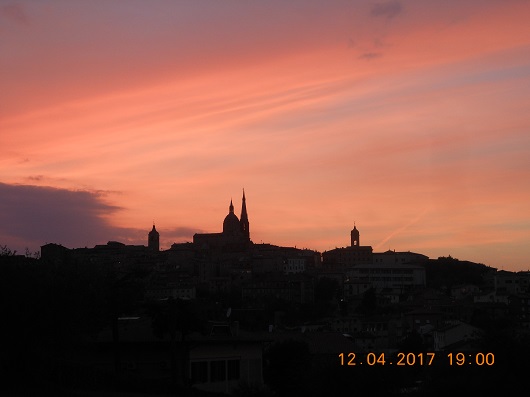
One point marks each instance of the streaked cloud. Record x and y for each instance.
(14, 12)
(370, 55)
(387, 9)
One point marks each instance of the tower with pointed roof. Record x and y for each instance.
(235, 235)
(243, 219)
(153, 239)
(355, 236)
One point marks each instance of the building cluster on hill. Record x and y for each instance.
(218, 262)
(351, 297)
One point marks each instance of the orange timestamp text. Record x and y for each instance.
(412, 359)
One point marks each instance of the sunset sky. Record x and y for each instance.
(409, 118)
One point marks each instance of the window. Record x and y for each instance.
(233, 369)
(254, 369)
(218, 371)
(199, 372)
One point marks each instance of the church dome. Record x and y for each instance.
(231, 223)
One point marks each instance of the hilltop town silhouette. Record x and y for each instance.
(222, 314)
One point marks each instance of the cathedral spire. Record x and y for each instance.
(243, 219)
(231, 208)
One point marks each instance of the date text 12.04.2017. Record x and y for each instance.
(410, 359)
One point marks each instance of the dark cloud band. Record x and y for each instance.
(35, 215)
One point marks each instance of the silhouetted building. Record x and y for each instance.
(268, 258)
(165, 290)
(224, 363)
(54, 253)
(298, 288)
(398, 258)
(394, 276)
(245, 227)
(511, 283)
(235, 235)
(454, 334)
(294, 265)
(217, 363)
(346, 257)
(355, 237)
(153, 239)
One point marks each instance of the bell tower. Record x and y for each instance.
(153, 239)
(355, 236)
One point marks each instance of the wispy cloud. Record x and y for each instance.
(402, 229)
(14, 12)
(387, 9)
(35, 178)
(370, 55)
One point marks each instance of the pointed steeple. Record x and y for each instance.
(231, 207)
(243, 219)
